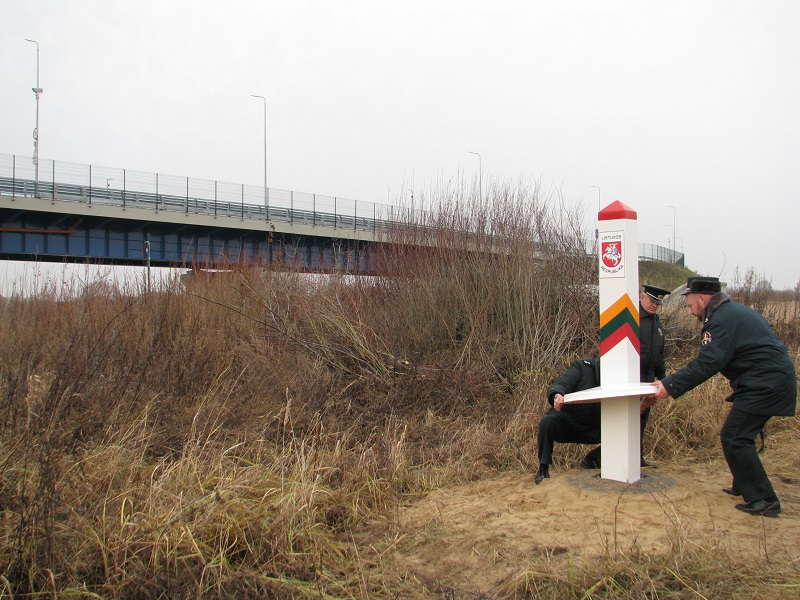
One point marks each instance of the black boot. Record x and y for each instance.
(542, 473)
(768, 508)
(732, 491)
(591, 460)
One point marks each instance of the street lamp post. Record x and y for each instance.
(597, 229)
(266, 189)
(480, 173)
(37, 90)
(673, 226)
(671, 248)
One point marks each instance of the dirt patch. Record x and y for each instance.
(477, 536)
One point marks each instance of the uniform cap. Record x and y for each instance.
(702, 285)
(656, 293)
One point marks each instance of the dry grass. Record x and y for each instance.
(222, 441)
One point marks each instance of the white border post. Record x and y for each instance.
(620, 391)
(619, 340)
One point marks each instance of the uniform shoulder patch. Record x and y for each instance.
(706, 338)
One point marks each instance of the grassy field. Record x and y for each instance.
(233, 438)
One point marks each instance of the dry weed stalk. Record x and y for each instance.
(229, 439)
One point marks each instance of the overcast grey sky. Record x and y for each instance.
(689, 103)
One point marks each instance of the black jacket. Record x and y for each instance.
(581, 375)
(651, 347)
(739, 343)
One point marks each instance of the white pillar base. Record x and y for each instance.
(619, 438)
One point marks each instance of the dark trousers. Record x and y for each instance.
(738, 437)
(645, 415)
(563, 428)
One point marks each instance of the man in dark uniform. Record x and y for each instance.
(575, 423)
(739, 343)
(651, 359)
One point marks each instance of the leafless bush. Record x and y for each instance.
(751, 289)
(506, 283)
(224, 439)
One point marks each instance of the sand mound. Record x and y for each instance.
(477, 536)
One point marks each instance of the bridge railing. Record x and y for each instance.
(646, 252)
(661, 254)
(94, 184)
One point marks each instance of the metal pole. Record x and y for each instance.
(674, 211)
(597, 230)
(37, 90)
(480, 174)
(147, 261)
(266, 192)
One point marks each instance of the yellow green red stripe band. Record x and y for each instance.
(618, 322)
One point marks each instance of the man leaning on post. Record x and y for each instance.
(739, 343)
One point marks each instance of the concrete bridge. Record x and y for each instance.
(99, 215)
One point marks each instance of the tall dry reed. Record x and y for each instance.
(225, 438)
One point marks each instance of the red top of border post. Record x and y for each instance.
(616, 210)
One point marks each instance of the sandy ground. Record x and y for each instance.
(477, 536)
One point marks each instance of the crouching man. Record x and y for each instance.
(569, 423)
(572, 423)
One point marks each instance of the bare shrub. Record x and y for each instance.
(226, 438)
(506, 284)
(750, 288)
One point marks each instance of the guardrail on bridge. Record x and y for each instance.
(125, 187)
